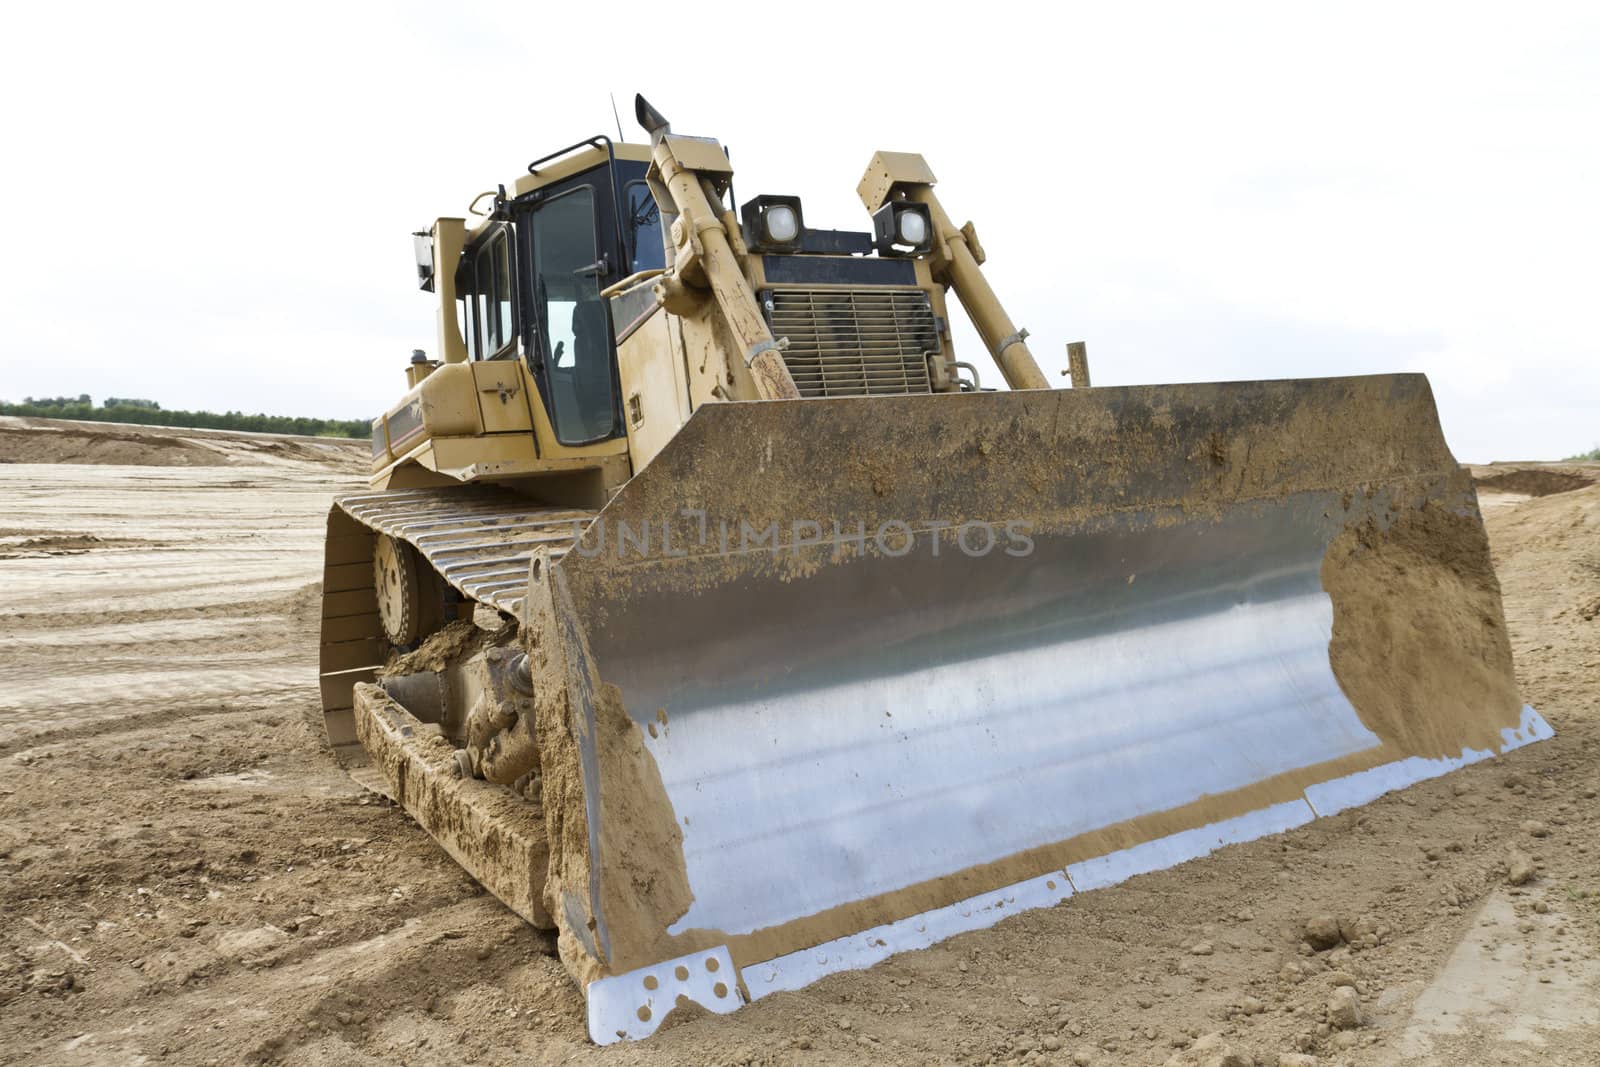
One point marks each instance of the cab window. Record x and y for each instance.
(574, 329)
(467, 306)
(642, 226)
(484, 286)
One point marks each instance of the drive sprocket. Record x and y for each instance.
(395, 573)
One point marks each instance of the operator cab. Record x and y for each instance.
(530, 278)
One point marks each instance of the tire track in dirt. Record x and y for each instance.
(130, 723)
(163, 630)
(85, 716)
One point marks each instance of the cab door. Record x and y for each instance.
(568, 239)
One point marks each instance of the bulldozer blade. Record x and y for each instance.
(845, 677)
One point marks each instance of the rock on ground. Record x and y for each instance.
(1344, 1009)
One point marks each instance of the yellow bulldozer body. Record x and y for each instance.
(752, 640)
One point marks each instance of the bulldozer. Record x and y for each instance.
(711, 613)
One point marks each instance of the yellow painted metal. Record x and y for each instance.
(470, 459)
(576, 163)
(889, 170)
(655, 388)
(1078, 364)
(485, 420)
(503, 391)
(895, 175)
(701, 154)
(1005, 342)
(706, 259)
(449, 402)
(449, 237)
(415, 372)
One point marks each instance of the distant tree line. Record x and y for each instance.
(1593, 455)
(150, 413)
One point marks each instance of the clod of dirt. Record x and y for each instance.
(1321, 932)
(1519, 868)
(1535, 828)
(1344, 1009)
(1340, 978)
(1364, 931)
(243, 943)
(51, 982)
(1212, 1050)
(1202, 948)
(1296, 1059)
(440, 649)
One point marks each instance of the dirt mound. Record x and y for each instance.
(62, 441)
(30, 544)
(1545, 479)
(35, 444)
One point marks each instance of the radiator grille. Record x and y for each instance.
(854, 342)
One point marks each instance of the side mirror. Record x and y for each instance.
(422, 246)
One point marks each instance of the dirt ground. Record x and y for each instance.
(186, 877)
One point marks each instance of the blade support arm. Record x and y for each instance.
(707, 254)
(956, 258)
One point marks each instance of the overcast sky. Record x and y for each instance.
(210, 206)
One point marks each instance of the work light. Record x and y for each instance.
(773, 223)
(902, 228)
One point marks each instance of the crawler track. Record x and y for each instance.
(478, 538)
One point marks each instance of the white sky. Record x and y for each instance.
(210, 206)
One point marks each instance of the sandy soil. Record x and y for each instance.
(185, 876)
(28, 440)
